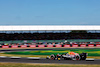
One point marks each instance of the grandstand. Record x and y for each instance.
(49, 34)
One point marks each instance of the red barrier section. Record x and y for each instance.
(74, 45)
(67, 45)
(49, 45)
(58, 45)
(23, 46)
(90, 45)
(14, 46)
(83, 45)
(5, 46)
(32, 46)
(97, 45)
(41, 45)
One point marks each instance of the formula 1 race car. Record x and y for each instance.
(68, 56)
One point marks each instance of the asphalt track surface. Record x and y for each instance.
(25, 60)
(43, 60)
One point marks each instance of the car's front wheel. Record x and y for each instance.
(52, 58)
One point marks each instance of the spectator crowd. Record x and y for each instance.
(47, 36)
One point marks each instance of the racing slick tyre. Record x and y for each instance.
(77, 58)
(83, 56)
(52, 57)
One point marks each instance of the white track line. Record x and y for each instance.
(33, 57)
(15, 57)
(3, 56)
(89, 58)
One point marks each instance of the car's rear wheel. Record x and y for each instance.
(83, 56)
